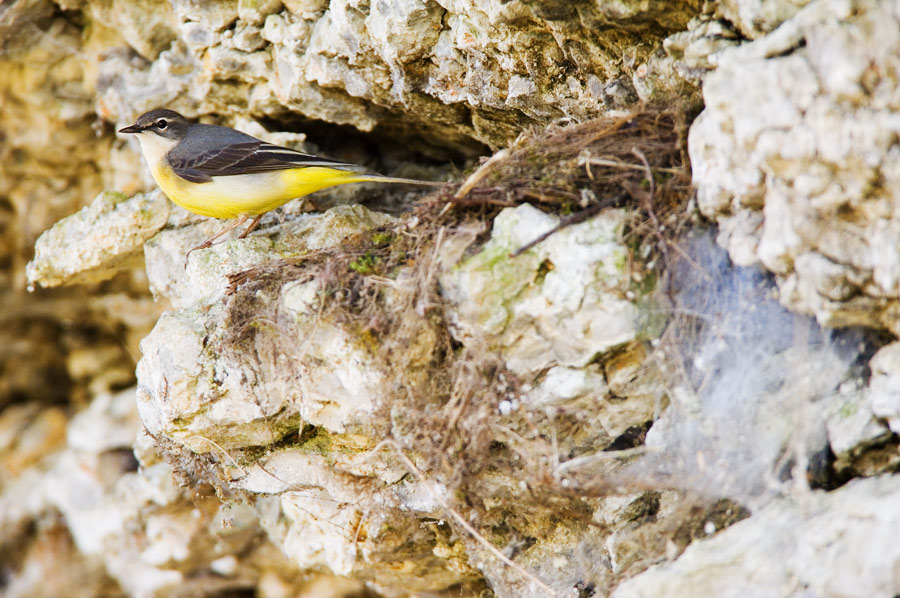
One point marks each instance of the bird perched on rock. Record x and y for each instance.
(221, 172)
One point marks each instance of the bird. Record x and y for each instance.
(223, 173)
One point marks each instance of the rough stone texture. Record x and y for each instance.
(559, 304)
(884, 400)
(205, 400)
(99, 241)
(794, 158)
(445, 76)
(215, 384)
(457, 71)
(852, 421)
(822, 545)
(755, 18)
(106, 529)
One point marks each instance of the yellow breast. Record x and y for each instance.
(248, 194)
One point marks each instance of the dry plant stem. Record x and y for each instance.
(657, 227)
(224, 452)
(460, 520)
(480, 202)
(619, 164)
(567, 221)
(477, 176)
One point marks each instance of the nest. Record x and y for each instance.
(382, 285)
(636, 161)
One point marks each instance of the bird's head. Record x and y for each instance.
(160, 122)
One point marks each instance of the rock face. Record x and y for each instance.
(780, 550)
(352, 403)
(456, 71)
(559, 305)
(794, 158)
(215, 384)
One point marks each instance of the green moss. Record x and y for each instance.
(620, 261)
(116, 197)
(364, 264)
(647, 284)
(848, 409)
(319, 442)
(382, 238)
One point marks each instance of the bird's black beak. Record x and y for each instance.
(131, 129)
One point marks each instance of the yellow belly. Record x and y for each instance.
(250, 194)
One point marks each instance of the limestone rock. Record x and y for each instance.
(216, 384)
(851, 421)
(819, 544)
(148, 27)
(561, 303)
(207, 398)
(674, 71)
(885, 385)
(535, 434)
(99, 241)
(458, 72)
(114, 530)
(793, 157)
(755, 18)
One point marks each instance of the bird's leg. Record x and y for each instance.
(209, 242)
(250, 228)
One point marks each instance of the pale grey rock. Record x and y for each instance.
(317, 531)
(817, 544)
(203, 278)
(216, 16)
(194, 402)
(133, 532)
(255, 12)
(851, 423)
(110, 422)
(884, 387)
(579, 408)
(755, 18)
(248, 39)
(456, 72)
(794, 158)
(306, 8)
(321, 519)
(148, 27)
(99, 241)
(209, 401)
(561, 303)
(196, 36)
(675, 71)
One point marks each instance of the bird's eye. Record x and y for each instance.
(161, 124)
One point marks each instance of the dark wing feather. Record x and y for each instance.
(237, 153)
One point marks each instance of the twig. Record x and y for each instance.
(657, 226)
(588, 162)
(224, 452)
(503, 203)
(477, 176)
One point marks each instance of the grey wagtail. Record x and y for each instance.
(221, 172)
